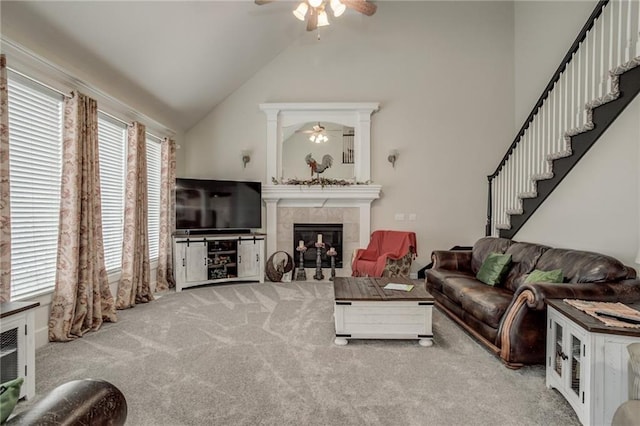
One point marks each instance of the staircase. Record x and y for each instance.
(597, 79)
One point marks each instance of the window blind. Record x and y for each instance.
(153, 195)
(35, 150)
(112, 139)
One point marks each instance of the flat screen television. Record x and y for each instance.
(217, 205)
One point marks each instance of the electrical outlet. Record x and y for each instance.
(399, 216)
(412, 216)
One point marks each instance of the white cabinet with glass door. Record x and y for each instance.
(587, 361)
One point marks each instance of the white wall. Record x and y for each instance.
(443, 73)
(596, 206)
(544, 31)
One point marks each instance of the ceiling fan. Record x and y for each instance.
(318, 133)
(314, 11)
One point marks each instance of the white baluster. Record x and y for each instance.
(500, 217)
(530, 160)
(516, 165)
(564, 112)
(503, 200)
(612, 38)
(594, 62)
(588, 43)
(495, 194)
(540, 141)
(579, 87)
(572, 102)
(503, 196)
(532, 141)
(522, 169)
(512, 178)
(598, 57)
(553, 120)
(628, 34)
(636, 32)
(559, 114)
(620, 39)
(545, 132)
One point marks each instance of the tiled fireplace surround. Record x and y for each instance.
(348, 216)
(289, 204)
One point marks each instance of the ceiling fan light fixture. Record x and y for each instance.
(323, 19)
(301, 11)
(318, 138)
(338, 7)
(315, 3)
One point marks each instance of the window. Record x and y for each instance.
(35, 145)
(153, 194)
(112, 139)
(35, 150)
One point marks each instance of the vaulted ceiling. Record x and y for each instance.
(180, 57)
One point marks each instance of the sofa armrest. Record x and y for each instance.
(454, 260)
(82, 402)
(526, 314)
(628, 290)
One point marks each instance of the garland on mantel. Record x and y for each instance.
(317, 181)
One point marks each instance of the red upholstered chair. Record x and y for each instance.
(389, 254)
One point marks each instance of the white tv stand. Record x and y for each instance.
(217, 258)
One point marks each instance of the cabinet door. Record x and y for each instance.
(196, 262)
(576, 368)
(248, 258)
(557, 356)
(12, 350)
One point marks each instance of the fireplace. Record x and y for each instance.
(331, 237)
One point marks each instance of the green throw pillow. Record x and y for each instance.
(538, 276)
(493, 268)
(9, 394)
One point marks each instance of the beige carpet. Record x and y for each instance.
(247, 354)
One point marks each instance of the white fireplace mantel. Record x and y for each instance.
(360, 196)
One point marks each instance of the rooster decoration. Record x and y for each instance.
(316, 167)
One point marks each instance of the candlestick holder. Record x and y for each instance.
(319, 275)
(301, 275)
(333, 253)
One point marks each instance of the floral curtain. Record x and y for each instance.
(5, 207)
(164, 275)
(82, 299)
(134, 286)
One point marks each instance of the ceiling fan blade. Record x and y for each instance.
(361, 6)
(312, 21)
(261, 2)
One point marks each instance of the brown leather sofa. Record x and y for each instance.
(510, 318)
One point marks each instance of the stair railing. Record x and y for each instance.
(609, 39)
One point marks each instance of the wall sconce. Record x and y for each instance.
(246, 157)
(393, 156)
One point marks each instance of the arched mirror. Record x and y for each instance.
(300, 136)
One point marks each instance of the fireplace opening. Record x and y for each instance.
(308, 233)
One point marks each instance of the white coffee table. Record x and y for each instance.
(363, 309)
